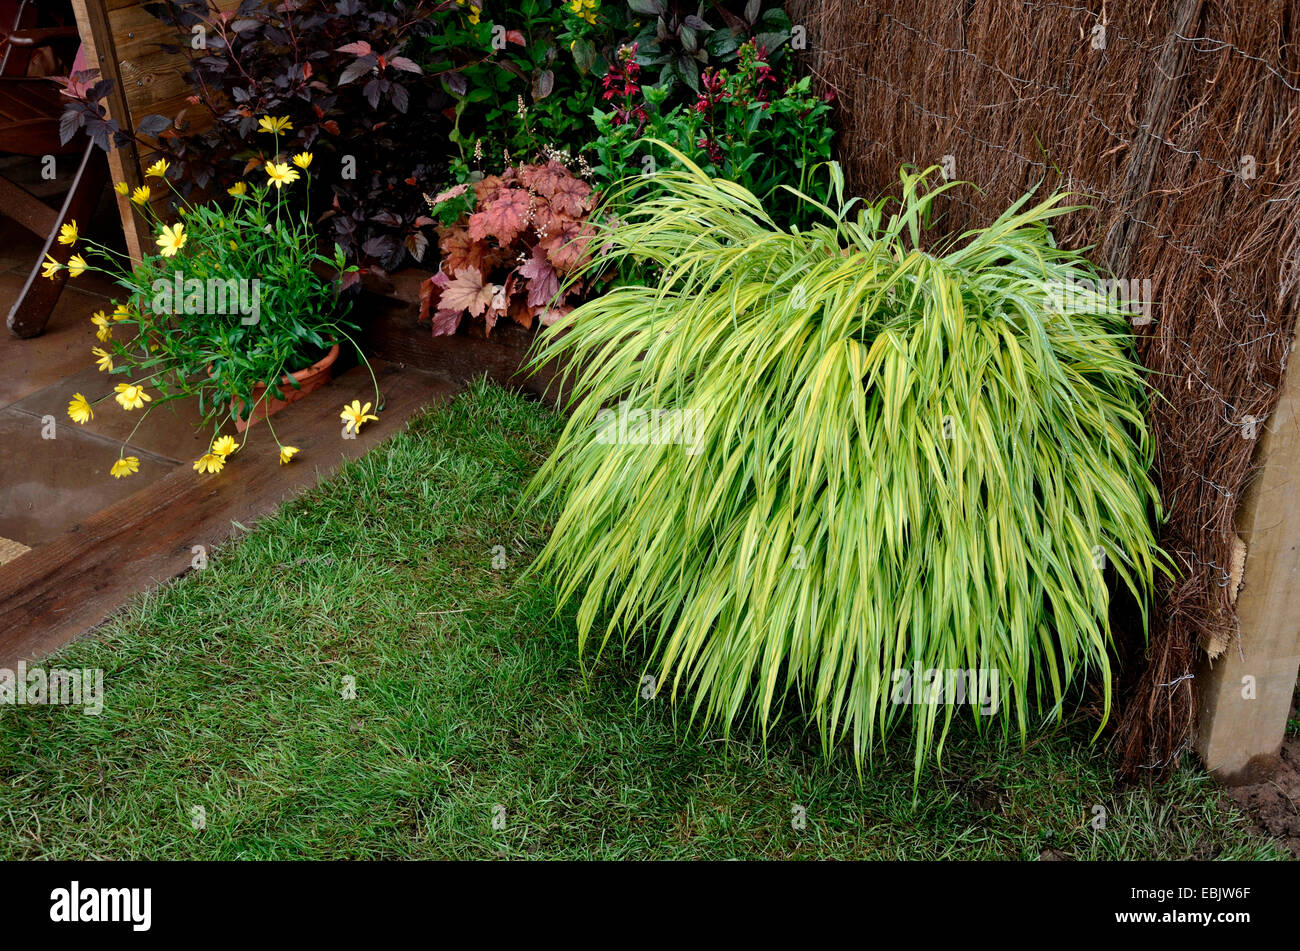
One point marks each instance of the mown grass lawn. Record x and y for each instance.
(225, 691)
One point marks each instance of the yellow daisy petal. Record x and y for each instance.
(355, 415)
(80, 409)
(224, 446)
(172, 239)
(275, 124)
(104, 329)
(210, 462)
(125, 467)
(131, 396)
(280, 174)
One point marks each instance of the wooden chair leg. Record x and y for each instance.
(35, 303)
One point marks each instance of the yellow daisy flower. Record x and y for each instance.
(121, 312)
(279, 174)
(76, 265)
(104, 329)
(210, 462)
(121, 188)
(131, 396)
(79, 409)
(172, 239)
(237, 189)
(125, 467)
(302, 159)
(355, 414)
(50, 267)
(68, 233)
(275, 124)
(287, 453)
(158, 169)
(224, 446)
(104, 359)
(141, 195)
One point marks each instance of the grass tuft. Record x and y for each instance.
(904, 456)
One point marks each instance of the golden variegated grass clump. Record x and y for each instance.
(889, 457)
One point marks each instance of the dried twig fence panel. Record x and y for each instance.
(125, 42)
(1178, 121)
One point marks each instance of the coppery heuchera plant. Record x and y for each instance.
(517, 252)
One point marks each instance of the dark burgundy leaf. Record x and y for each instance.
(73, 118)
(99, 131)
(543, 84)
(380, 246)
(99, 90)
(404, 64)
(356, 69)
(417, 244)
(153, 124)
(401, 99)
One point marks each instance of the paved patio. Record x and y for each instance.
(95, 541)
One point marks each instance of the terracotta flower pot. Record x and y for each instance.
(309, 380)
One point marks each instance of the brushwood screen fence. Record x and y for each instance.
(1177, 122)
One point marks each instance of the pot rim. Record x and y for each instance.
(300, 375)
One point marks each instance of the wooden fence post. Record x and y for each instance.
(124, 164)
(124, 40)
(1245, 695)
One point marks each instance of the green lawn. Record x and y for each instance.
(225, 691)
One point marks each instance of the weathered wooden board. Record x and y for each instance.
(1245, 695)
(59, 590)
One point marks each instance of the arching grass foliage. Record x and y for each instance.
(865, 452)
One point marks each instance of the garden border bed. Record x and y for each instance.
(389, 314)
